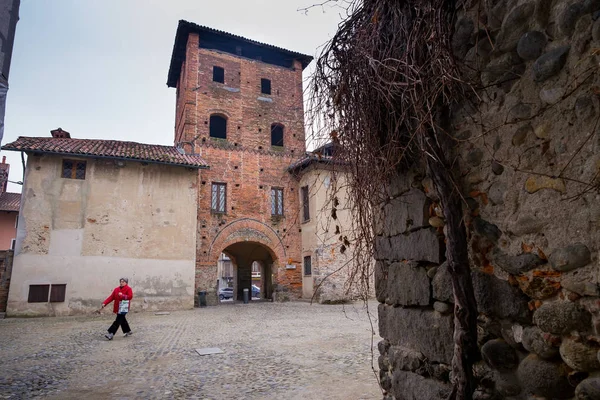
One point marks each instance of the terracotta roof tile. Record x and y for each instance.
(151, 153)
(10, 201)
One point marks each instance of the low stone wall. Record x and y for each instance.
(6, 257)
(528, 155)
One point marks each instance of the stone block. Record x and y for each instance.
(515, 24)
(561, 317)
(535, 183)
(499, 355)
(531, 45)
(583, 281)
(496, 297)
(407, 212)
(544, 378)
(550, 63)
(420, 245)
(422, 330)
(486, 229)
(579, 355)
(534, 342)
(381, 280)
(441, 307)
(570, 257)
(588, 389)
(516, 264)
(402, 358)
(442, 284)
(506, 384)
(568, 18)
(408, 284)
(382, 248)
(409, 386)
(507, 66)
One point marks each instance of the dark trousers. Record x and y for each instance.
(120, 321)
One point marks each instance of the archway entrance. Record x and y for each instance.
(252, 266)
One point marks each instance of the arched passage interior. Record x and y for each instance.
(244, 254)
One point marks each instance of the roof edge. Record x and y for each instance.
(184, 28)
(83, 155)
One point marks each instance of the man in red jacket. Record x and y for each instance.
(121, 296)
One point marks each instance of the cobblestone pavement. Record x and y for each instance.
(286, 351)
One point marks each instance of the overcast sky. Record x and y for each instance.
(98, 68)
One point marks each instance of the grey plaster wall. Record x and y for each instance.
(529, 161)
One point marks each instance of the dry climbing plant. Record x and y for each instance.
(380, 91)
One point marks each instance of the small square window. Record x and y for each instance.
(265, 86)
(57, 293)
(218, 74)
(73, 169)
(307, 266)
(38, 293)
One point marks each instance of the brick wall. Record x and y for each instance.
(6, 257)
(246, 162)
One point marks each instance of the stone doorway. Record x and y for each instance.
(252, 266)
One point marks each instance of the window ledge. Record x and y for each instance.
(231, 89)
(219, 141)
(267, 99)
(306, 221)
(277, 148)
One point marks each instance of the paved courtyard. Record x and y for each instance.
(286, 351)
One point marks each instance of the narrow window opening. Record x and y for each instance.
(218, 127)
(218, 198)
(307, 266)
(305, 206)
(218, 74)
(277, 202)
(277, 135)
(265, 86)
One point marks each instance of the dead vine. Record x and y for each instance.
(378, 91)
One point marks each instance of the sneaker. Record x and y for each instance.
(109, 336)
(127, 334)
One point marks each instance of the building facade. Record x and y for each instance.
(225, 207)
(9, 210)
(98, 210)
(240, 107)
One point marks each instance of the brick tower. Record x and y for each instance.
(240, 106)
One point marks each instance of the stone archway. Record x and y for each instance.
(245, 253)
(246, 229)
(246, 240)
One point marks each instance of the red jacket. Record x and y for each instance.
(126, 294)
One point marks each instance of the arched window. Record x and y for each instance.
(277, 135)
(218, 126)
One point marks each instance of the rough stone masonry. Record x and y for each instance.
(529, 162)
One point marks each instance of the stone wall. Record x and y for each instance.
(528, 157)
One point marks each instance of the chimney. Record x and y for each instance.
(59, 133)
(3, 159)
